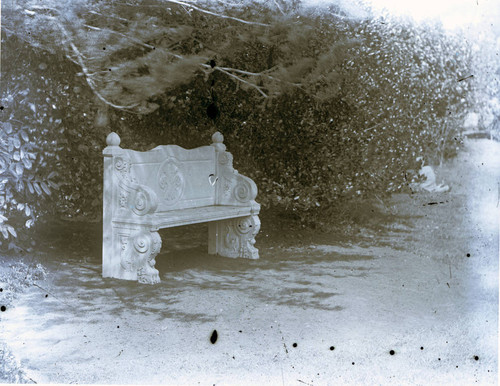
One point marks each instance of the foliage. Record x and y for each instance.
(318, 109)
(20, 276)
(14, 279)
(27, 146)
(10, 368)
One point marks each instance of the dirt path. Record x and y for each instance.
(425, 286)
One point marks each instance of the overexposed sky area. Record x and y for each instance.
(452, 13)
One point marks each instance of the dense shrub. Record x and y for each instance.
(29, 120)
(318, 110)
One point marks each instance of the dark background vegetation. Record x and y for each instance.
(319, 108)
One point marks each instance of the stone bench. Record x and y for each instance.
(169, 186)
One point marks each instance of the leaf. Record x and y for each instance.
(4, 232)
(27, 163)
(24, 136)
(37, 188)
(3, 218)
(19, 169)
(53, 185)
(29, 223)
(7, 127)
(45, 188)
(17, 156)
(12, 231)
(52, 175)
(27, 210)
(30, 187)
(17, 142)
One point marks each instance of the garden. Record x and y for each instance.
(364, 276)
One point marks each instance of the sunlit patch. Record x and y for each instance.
(451, 13)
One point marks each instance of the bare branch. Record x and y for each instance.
(182, 3)
(278, 6)
(109, 16)
(258, 74)
(85, 70)
(241, 80)
(218, 15)
(137, 41)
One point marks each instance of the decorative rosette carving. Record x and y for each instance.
(140, 256)
(123, 198)
(245, 226)
(144, 201)
(239, 237)
(243, 191)
(226, 159)
(122, 165)
(127, 259)
(230, 239)
(171, 181)
(148, 245)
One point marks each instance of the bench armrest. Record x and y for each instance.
(232, 187)
(122, 192)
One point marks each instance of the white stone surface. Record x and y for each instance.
(170, 186)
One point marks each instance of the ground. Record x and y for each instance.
(413, 300)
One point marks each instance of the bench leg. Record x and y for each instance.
(146, 246)
(234, 237)
(129, 254)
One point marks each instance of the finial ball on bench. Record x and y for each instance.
(217, 141)
(113, 139)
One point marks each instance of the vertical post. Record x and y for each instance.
(213, 228)
(110, 252)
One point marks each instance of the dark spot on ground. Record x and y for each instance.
(213, 337)
(392, 352)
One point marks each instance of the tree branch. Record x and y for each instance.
(85, 70)
(137, 41)
(240, 79)
(219, 15)
(182, 3)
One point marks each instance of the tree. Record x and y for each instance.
(318, 107)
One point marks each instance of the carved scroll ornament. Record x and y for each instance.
(140, 199)
(138, 254)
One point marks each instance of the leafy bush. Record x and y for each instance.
(317, 110)
(10, 367)
(14, 279)
(19, 182)
(19, 276)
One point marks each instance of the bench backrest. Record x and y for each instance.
(169, 177)
(180, 178)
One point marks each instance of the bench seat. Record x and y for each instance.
(179, 217)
